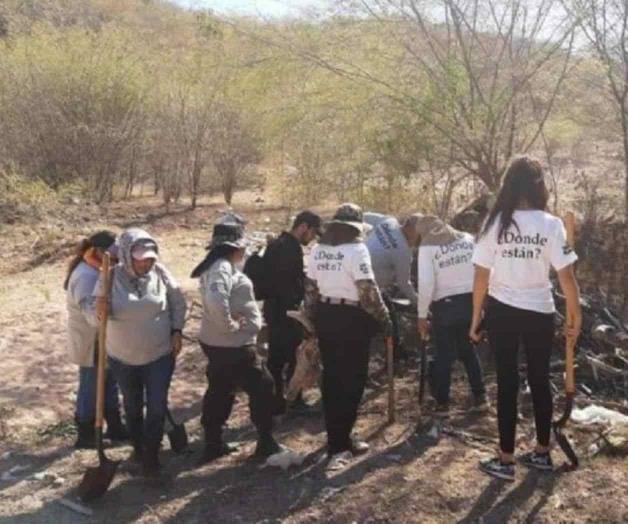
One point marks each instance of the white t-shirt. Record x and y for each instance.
(444, 271)
(521, 260)
(336, 269)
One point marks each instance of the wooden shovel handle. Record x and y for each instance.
(102, 341)
(570, 343)
(391, 379)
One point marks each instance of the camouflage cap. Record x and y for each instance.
(350, 215)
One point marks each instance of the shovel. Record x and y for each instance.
(570, 384)
(96, 480)
(391, 379)
(177, 435)
(423, 369)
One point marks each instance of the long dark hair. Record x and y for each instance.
(524, 182)
(222, 251)
(102, 240)
(336, 234)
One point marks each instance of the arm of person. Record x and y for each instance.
(311, 298)
(484, 254)
(368, 290)
(480, 290)
(403, 276)
(177, 308)
(81, 290)
(177, 305)
(427, 284)
(562, 258)
(372, 302)
(569, 287)
(216, 295)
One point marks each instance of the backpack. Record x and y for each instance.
(255, 269)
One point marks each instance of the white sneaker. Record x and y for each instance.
(359, 447)
(339, 461)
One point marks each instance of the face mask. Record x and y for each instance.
(239, 265)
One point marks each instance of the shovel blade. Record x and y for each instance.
(96, 481)
(178, 438)
(565, 446)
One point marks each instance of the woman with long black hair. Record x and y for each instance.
(518, 244)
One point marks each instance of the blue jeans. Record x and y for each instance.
(149, 382)
(86, 395)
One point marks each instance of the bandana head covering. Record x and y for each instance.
(433, 230)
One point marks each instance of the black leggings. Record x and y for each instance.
(509, 327)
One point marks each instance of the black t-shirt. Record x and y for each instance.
(284, 263)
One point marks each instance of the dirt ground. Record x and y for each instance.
(407, 476)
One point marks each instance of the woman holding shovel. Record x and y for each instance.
(229, 327)
(515, 250)
(82, 337)
(445, 283)
(345, 305)
(147, 313)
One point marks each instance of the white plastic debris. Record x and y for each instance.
(599, 415)
(6, 455)
(284, 459)
(435, 431)
(49, 476)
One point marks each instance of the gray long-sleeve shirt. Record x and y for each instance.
(81, 333)
(231, 316)
(140, 324)
(391, 257)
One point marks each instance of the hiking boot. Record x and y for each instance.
(116, 430)
(496, 468)
(266, 446)
(540, 461)
(359, 447)
(339, 461)
(86, 435)
(212, 452)
(441, 411)
(479, 404)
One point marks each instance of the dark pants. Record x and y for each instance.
(147, 383)
(284, 336)
(228, 369)
(344, 335)
(508, 327)
(452, 342)
(86, 395)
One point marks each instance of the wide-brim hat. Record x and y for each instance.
(228, 234)
(349, 215)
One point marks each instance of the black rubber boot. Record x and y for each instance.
(116, 430)
(214, 447)
(151, 468)
(86, 435)
(266, 446)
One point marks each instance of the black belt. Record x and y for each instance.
(339, 301)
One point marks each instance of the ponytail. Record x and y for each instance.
(102, 240)
(81, 249)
